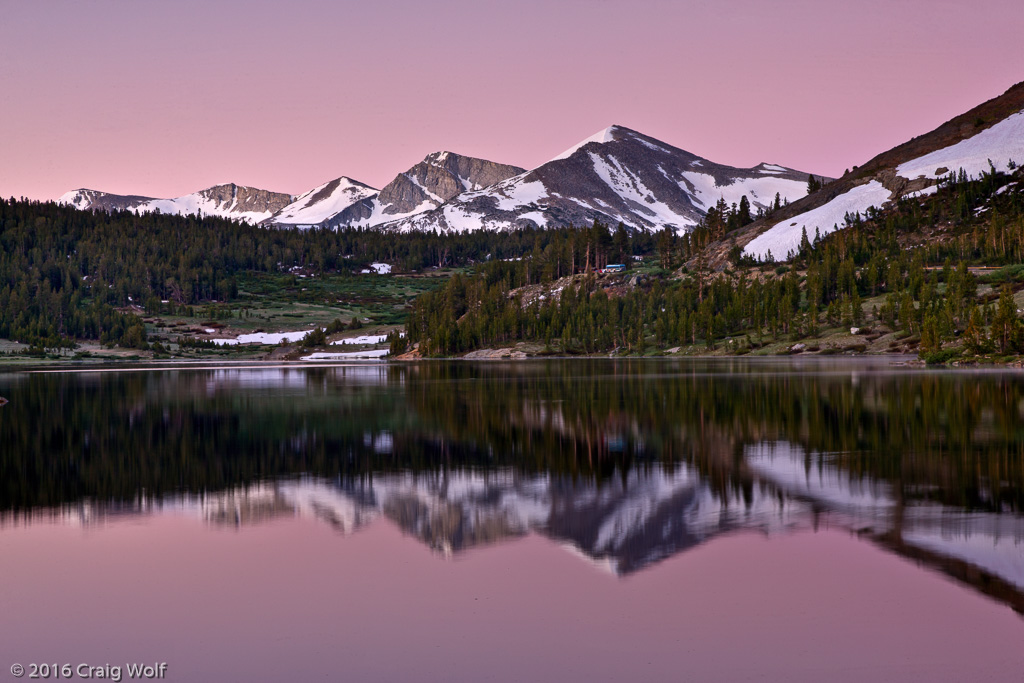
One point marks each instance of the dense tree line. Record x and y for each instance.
(927, 287)
(65, 273)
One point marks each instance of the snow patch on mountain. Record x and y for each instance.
(927, 192)
(378, 214)
(459, 220)
(198, 205)
(785, 237)
(606, 135)
(633, 191)
(323, 202)
(760, 192)
(516, 192)
(537, 217)
(426, 190)
(1001, 143)
(80, 199)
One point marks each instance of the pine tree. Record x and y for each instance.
(930, 340)
(805, 244)
(974, 333)
(1005, 324)
(743, 216)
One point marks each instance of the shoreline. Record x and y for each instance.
(84, 367)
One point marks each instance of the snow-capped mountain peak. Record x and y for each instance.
(322, 203)
(616, 175)
(601, 136)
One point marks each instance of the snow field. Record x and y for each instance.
(347, 355)
(600, 136)
(262, 338)
(784, 237)
(364, 339)
(1000, 143)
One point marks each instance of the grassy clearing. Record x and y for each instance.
(289, 302)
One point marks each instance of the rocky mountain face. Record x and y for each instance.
(248, 204)
(615, 175)
(438, 178)
(240, 199)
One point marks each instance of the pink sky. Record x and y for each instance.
(162, 99)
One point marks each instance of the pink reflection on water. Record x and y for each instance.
(290, 600)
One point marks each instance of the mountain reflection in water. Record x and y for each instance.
(624, 463)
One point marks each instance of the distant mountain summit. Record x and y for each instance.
(238, 202)
(616, 175)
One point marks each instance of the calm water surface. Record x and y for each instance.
(784, 520)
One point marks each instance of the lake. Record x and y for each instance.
(651, 520)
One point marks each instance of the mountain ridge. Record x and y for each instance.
(227, 200)
(616, 175)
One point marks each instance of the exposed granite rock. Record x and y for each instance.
(495, 354)
(240, 198)
(439, 178)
